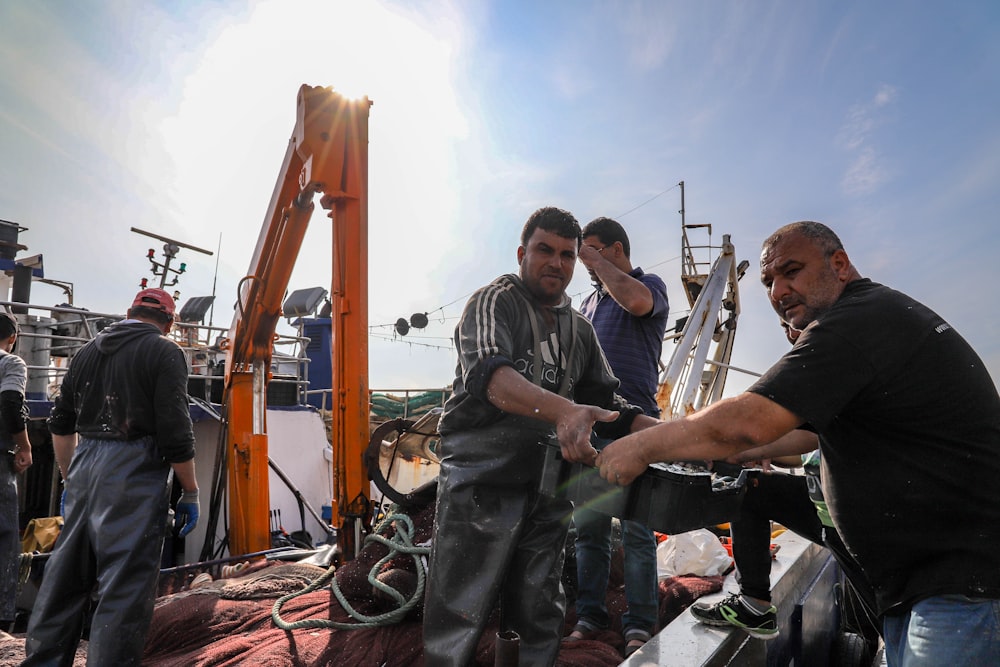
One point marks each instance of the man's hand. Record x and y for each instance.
(620, 463)
(186, 513)
(22, 459)
(741, 460)
(574, 427)
(589, 256)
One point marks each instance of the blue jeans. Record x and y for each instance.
(944, 630)
(593, 565)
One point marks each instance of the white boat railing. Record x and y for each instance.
(51, 335)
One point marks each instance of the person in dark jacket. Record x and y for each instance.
(124, 400)
(15, 458)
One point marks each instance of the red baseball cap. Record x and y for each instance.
(156, 299)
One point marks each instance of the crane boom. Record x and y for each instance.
(690, 380)
(327, 154)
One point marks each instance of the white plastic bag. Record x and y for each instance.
(697, 552)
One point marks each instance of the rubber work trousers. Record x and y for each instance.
(10, 538)
(494, 542)
(116, 513)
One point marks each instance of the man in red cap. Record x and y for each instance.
(156, 299)
(119, 424)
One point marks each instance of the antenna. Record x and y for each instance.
(215, 278)
(170, 250)
(694, 273)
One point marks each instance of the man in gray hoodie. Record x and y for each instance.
(124, 400)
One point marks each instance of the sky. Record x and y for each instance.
(879, 119)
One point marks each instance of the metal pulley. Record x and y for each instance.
(401, 458)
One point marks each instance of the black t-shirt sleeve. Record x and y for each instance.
(818, 377)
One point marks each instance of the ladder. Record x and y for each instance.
(692, 379)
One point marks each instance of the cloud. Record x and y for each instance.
(868, 169)
(884, 96)
(650, 33)
(865, 174)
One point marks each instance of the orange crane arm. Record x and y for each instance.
(328, 154)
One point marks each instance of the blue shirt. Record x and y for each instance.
(632, 344)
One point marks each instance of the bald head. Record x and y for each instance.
(804, 268)
(816, 232)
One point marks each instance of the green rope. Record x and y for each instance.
(402, 542)
(24, 569)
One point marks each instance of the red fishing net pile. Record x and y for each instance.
(228, 622)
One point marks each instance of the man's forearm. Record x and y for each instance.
(574, 422)
(64, 446)
(629, 293)
(21, 440)
(642, 422)
(714, 433)
(185, 474)
(513, 393)
(792, 444)
(22, 451)
(718, 431)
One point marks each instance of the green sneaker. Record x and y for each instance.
(734, 611)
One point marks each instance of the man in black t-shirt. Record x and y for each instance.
(910, 440)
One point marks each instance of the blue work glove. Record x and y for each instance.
(186, 512)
